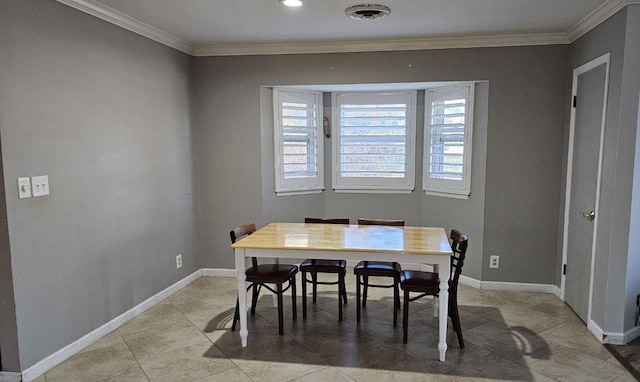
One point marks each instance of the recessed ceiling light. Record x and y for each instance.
(367, 11)
(292, 3)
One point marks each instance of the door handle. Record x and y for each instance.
(588, 215)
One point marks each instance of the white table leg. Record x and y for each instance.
(242, 294)
(436, 300)
(443, 308)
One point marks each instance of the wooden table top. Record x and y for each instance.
(353, 238)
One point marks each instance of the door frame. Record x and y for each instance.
(604, 59)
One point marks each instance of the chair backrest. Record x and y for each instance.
(395, 223)
(459, 243)
(242, 231)
(327, 220)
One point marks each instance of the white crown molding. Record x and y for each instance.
(350, 46)
(596, 17)
(127, 22)
(603, 12)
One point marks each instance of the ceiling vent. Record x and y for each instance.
(367, 11)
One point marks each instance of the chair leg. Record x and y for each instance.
(405, 317)
(397, 281)
(455, 320)
(294, 308)
(366, 288)
(304, 295)
(280, 310)
(344, 288)
(358, 299)
(396, 301)
(254, 298)
(314, 277)
(236, 316)
(340, 294)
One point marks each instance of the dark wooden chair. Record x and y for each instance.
(315, 266)
(428, 284)
(364, 269)
(261, 275)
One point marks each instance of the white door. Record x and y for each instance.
(583, 183)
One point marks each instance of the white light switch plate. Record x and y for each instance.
(24, 188)
(40, 185)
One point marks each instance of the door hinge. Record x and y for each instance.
(575, 101)
(564, 269)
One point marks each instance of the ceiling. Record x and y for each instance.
(217, 27)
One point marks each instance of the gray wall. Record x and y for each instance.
(518, 211)
(107, 115)
(616, 282)
(8, 328)
(416, 208)
(110, 117)
(629, 127)
(611, 248)
(467, 215)
(288, 208)
(607, 37)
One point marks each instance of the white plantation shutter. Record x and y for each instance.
(447, 147)
(298, 142)
(374, 142)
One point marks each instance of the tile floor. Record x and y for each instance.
(510, 336)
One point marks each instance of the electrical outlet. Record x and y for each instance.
(494, 262)
(40, 185)
(179, 261)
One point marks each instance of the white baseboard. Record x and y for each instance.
(486, 285)
(221, 272)
(613, 338)
(73, 348)
(468, 281)
(596, 331)
(510, 286)
(6, 376)
(622, 338)
(632, 334)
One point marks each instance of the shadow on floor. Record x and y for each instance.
(375, 346)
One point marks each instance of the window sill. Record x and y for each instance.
(298, 192)
(447, 195)
(370, 191)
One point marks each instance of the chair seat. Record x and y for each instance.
(377, 268)
(324, 266)
(271, 273)
(418, 281)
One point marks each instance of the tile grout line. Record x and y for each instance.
(373, 328)
(212, 343)
(133, 355)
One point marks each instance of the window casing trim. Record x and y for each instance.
(301, 186)
(375, 185)
(458, 189)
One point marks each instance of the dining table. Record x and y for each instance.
(409, 245)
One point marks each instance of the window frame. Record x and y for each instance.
(375, 185)
(299, 186)
(458, 189)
